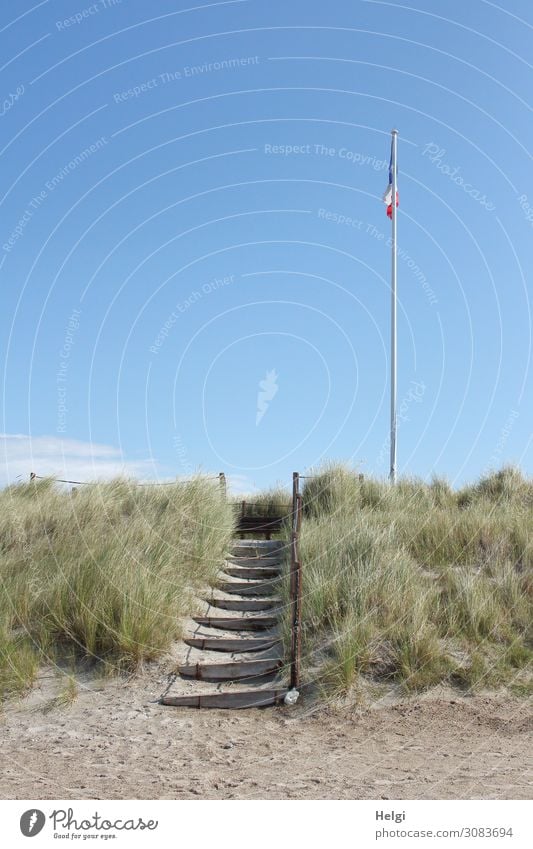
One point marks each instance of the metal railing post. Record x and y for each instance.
(296, 584)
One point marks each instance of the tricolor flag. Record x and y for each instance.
(387, 196)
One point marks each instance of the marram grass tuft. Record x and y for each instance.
(107, 572)
(417, 584)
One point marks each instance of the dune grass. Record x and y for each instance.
(270, 502)
(412, 585)
(106, 572)
(417, 584)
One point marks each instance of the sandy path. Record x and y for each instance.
(117, 742)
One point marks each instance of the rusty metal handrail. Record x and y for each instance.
(296, 584)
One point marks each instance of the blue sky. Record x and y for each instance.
(194, 254)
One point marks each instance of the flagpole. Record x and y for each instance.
(394, 281)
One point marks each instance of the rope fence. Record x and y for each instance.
(220, 477)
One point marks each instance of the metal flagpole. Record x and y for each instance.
(394, 270)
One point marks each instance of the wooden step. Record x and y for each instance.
(244, 604)
(248, 587)
(248, 623)
(259, 543)
(256, 551)
(236, 701)
(236, 646)
(275, 562)
(235, 671)
(241, 572)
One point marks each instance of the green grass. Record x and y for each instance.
(271, 502)
(416, 584)
(409, 586)
(67, 695)
(107, 572)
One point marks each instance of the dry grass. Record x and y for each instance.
(270, 502)
(417, 584)
(412, 585)
(107, 572)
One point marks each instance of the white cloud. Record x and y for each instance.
(65, 458)
(74, 460)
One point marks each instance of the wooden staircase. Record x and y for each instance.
(242, 621)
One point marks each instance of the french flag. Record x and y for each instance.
(387, 196)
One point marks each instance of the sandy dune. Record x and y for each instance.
(116, 741)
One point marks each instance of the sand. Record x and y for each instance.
(116, 742)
